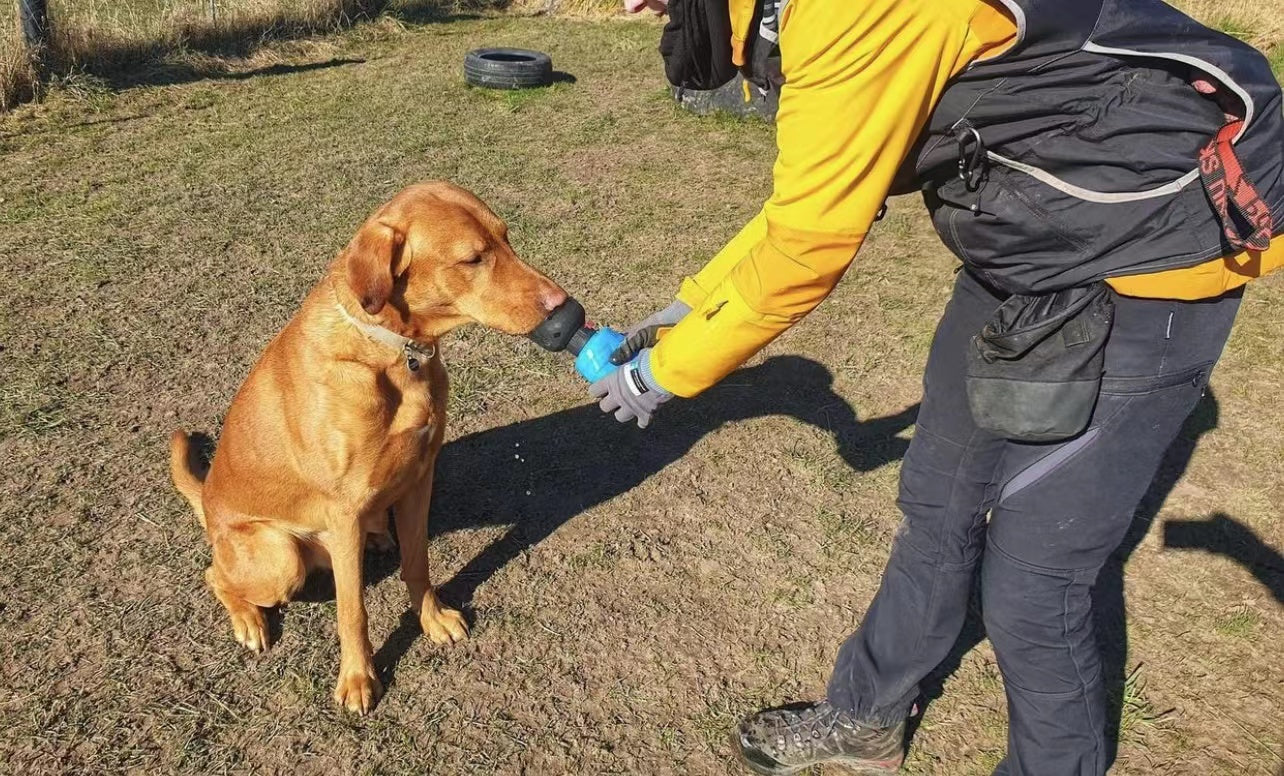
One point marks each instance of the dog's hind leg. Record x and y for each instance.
(255, 567)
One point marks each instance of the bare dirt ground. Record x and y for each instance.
(632, 593)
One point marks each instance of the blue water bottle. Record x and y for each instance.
(593, 362)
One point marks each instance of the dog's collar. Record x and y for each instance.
(417, 354)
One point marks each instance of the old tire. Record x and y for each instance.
(730, 98)
(507, 68)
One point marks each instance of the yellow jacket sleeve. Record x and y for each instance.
(861, 79)
(694, 290)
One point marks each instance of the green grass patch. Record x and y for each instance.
(1240, 624)
(1137, 713)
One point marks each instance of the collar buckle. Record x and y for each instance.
(417, 354)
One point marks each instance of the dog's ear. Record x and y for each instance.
(369, 262)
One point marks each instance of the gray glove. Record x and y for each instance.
(631, 391)
(647, 333)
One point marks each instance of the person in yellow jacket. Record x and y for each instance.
(863, 84)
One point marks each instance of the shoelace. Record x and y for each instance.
(811, 719)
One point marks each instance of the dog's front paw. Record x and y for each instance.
(443, 626)
(358, 691)
(250, 627)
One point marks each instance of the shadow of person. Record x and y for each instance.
(1109, 604)
(537, 474)
(1222, 534)
(1109, 598)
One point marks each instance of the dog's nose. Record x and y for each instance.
(552, 298)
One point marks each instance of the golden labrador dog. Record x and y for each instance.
(344, 414)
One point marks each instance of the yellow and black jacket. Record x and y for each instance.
(862, 80)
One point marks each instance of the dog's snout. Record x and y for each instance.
(552, 297)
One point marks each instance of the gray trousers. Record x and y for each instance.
(1055, 514)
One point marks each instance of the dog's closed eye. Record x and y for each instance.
(477, 259)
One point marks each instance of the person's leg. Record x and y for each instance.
(1063, 508)
(945, 494)
(919, 610)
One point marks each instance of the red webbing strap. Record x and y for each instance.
(1227, 186)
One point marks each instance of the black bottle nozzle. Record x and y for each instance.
(563, 329)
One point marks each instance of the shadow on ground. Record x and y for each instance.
(1109, 597)
(537, 474)
(1218, 534)
(270, 70)
(1221, 534)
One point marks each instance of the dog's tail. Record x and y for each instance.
(188, 475)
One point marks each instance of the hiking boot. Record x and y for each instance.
(789, 739)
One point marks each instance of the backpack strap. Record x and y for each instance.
(1229, 189)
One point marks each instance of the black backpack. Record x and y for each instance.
(696, 46)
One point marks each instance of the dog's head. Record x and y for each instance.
(435, 257)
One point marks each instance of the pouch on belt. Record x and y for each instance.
(1034, 371)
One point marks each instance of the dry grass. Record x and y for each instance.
(1260, 22)
(102, 38)
(110, 40)
(584, 9)
(632, 593)
(17, 75)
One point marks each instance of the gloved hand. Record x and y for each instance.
(647, 333)
(631, 391)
